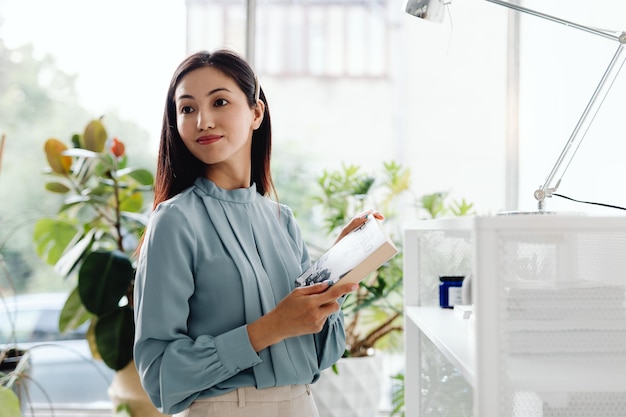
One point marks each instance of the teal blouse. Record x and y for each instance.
(212, 261)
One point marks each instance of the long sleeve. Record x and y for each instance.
(175, 367)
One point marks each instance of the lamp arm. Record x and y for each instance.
(604, 86)
(576, 138)
(616, 36)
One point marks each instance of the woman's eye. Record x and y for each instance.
(220, 102)
(186, 109)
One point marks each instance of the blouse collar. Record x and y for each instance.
(238, 195)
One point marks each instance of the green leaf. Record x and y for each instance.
(114, 337)
(106, 164)
(91, 339)
(142, 176)
(362, 186)
(57, 187)
(9, 402)
(132, 202)
(94, 137)
(461, 208)
(397, 398)
(52, 237)
(123, 410)
(76, 140)
(434, 204)
(75, 250)
(103, 279)
(73, 313)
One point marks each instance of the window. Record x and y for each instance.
(315, 38)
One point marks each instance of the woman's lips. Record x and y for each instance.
(205, 140)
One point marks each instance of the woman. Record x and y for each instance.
(221, 331)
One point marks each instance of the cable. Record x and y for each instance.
(589, 202)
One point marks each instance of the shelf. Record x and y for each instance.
(550, 314)
(450, 333)
(591, 373)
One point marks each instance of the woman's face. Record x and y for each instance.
(214, 119)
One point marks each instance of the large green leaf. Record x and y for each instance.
(9, 403)
(103, 279)
(52, 237)
(115, 336)
(73, 313)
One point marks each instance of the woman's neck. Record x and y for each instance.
(227, 178)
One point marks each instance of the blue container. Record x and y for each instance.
(450, 290)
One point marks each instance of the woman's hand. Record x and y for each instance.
(303, 311)
(357, 221)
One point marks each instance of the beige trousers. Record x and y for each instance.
(286, 401)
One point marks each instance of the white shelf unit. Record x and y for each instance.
(548, 336)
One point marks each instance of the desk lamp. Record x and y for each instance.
(433, 10)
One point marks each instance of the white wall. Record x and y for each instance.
(455, 91)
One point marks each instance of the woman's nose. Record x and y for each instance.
(205, 120)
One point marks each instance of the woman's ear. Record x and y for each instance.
(259, 112)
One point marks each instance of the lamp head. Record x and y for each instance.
(426, 9)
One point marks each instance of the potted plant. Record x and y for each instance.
(373, 313)
(92, 239)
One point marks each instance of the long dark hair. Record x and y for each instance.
(177, 168)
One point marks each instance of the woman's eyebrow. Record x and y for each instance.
(216, 90)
